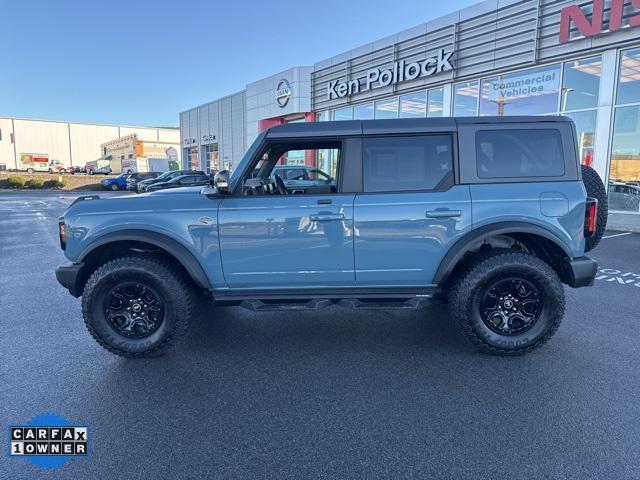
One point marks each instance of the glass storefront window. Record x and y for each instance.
(625, 148)
(211, 158)
(435, 103)
(413, 105)
(363, 112)
(586, 129)
(465, 99)
(629, 80)
(192, 158)
(343, 113)
(324, 116)
(530, 92)
(387, 108)
(581, 83)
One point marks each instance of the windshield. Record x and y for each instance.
(164, 175)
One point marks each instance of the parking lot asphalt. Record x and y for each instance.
(330, 394)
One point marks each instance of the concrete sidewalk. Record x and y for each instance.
(624, 222)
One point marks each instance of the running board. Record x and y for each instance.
(356, 299)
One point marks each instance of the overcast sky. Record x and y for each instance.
(142, 62)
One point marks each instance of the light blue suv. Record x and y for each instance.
(491, 215)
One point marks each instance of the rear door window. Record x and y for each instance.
(519, 153)
(407, 163)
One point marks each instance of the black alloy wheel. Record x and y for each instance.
(511, 306)
(133, 309)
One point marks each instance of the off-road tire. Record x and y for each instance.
(595, 188)
(172, 285)
(464, 301)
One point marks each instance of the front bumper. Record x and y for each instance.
(69, 275)
(581, 272)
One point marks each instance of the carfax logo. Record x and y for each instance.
(48, 441)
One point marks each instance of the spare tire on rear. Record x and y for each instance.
(595, 188)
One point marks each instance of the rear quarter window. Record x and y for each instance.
(519, 153)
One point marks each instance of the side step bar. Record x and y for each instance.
(357, 299)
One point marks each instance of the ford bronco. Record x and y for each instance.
(489, 215)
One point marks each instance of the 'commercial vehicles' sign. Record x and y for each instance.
(523, 85)
(401, 71)
(597, 24)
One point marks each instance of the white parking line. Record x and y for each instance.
(617, 235)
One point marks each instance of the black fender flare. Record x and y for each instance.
(457, 251)
(163, 242)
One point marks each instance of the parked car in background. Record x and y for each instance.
(117, 183)
(181, 181)
(56, 166)
(624, 197)
(75, 169)
(301, 178)
(134, 178)
(165, 177)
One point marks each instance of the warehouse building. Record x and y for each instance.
(499, 57)
(72, 144)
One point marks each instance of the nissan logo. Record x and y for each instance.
(283, 93)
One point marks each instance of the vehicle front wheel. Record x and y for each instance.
(115, 187)
(90, 172)
(507, 303)
(137, 306)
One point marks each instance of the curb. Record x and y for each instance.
(624, 228)
(51, 192)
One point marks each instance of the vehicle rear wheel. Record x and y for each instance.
(595, 188)
(50, 171)
(137, 306)
(90, 172)
(507, 303)
(30, 170)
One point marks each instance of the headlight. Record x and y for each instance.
(63, 233)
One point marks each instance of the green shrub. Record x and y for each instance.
(15, 182)
(35, 183)
(54, 184)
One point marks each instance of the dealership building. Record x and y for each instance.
(499, 57)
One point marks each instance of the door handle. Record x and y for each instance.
(326, 217)
(443, 213)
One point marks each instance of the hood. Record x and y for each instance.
(176, 191)
(123, 203)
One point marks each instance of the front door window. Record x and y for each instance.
(288, 226)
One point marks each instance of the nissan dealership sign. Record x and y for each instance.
(401, 71)
(597, 23)
(283, 92)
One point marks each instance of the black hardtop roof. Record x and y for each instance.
(401, 125)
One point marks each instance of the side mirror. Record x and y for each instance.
(221, 182)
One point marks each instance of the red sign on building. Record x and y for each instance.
(597, 24)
